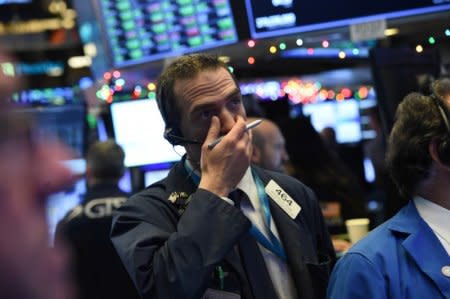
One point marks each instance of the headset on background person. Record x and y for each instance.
(443, 148)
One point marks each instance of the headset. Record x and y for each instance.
(175, 137)
(443, 148)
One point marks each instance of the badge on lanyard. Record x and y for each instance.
(283, 200)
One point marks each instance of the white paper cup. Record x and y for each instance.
(357, 228)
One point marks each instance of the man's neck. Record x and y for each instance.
(436, 189)
(91, 182)
(193, 165)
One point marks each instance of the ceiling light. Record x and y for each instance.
(55, 71)
(224, 59)
(391, 31)
(90, 49)
(77, 62)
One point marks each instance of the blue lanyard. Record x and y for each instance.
(273, 244)
(195, 177)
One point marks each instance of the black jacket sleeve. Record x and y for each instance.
(172, 256)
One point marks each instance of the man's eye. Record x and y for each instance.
(205, 115)
(236, 101)
(235, 104)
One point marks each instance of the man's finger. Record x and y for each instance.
(214, 130)
(238, 129)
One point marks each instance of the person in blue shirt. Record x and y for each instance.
(408, 256)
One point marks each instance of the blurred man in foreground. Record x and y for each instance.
(30, 170)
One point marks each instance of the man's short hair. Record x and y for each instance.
(185, 67)
(418, 123)
(106, 160)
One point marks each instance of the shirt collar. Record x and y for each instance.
(194, 173)
(247, 182)
(434, 215)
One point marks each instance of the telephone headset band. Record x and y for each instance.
(442, 110)
(443, 147)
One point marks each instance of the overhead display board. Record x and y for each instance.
(147, 30)
(269, 18)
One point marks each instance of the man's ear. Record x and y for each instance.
(433, 151)
(256, 155)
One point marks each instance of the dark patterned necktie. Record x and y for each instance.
(252, 259)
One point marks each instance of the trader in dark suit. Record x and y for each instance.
(217, 227)
(98, 270)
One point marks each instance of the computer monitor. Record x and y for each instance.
(139, 128)
(152, 176)
(343, 117)
(60, 203)
(66, 123)
(125, 183)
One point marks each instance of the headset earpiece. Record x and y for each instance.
(173, 135)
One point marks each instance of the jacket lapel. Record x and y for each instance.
(180, 179)
(420, 243)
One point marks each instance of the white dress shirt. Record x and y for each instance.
(437, 218)
(278, 269)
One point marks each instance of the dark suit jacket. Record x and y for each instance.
(98, 270)
(171, 251)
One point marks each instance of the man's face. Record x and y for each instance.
(210, 93)
(274, 155)
(447, 99)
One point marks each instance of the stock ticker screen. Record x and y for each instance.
(268, 18)
(139, 31)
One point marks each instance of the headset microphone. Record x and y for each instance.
(175, 139)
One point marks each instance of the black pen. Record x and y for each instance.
(247, 127)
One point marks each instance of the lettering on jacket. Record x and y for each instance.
(97, 208)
